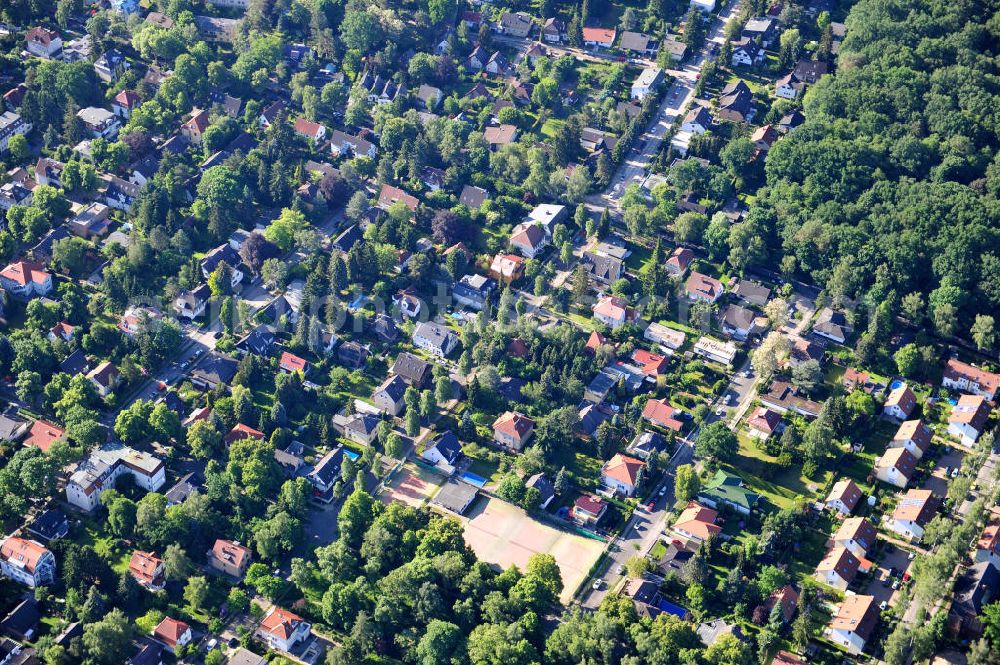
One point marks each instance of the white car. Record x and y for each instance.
(598, 583)
(884, 604)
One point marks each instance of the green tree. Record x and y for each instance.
(109, 640)
(17, 147)
(686, 483)
(716, 441)
(196, 592)
(282, 230)
(983, 332)
(440, 644)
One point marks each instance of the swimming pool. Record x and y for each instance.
(896, 383)
(473, 479)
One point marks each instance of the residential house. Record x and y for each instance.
(326, 473)
(224, 253)
(854, 623)
(497, 64)
(651, 364)
(214, 29)
(507, 268)
(856, 534)
(138, 319)
(900, 403)
(473, 197)
(704, 288)
(499, 136)
(546, 491)
(229, 557)
(260, 341)
(762, 28)
(746, 53)
(896, 466)
(214, 370)
(529, 238)
(554, 31)
(282, 630)
(613, 312)
(788, 598)
(11, 124)
(844, 496)
(988, 546)
(13, 194)
(675, 48)
(970, 379)
(513, 430)
(752, 293)
(111, 65)
(588, 510)
(534, 51)
(638, 43)
(912, 513)
(977, 587)
(239, 432)
(622, 474)
(784, 397)
(968, 418)
(664, 335)
(789, 86)
(13, 426)
(723, 353)
(26, 280)
(27, 562)
(913, 435)
(353, 355)
(696, 524)
(91, 222)
(679, 260)
(429, 96)
(271, 113)
(289, 363)
(191, 304)
(105, 378)
(21, 623)
(43, 434)
(599, 37)
(61, 331)
(603, 269)
(120, 194)
(444, 452)
(344, 144)
(763, 423)
(413, 370)
(727, 490)
(838, 568)
(389, 196)
(790, 121)
(101, 123)
(477, 59)
(514, 24)
(173, 634)
(148, 570)
(594, 140)
(243, 657)
(435, 338)
(388, 397)
(810, 71)
(473, 291)
(764, 137)
(361, 428)
(647, 83)
(43, 43)
(313, 131)
(193, 129)
(661, 413)
(832, 325)
(697, 121)
(740, 323)
(49, 172)
(736, 102)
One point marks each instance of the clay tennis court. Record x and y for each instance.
(413, 486)
(503, 534)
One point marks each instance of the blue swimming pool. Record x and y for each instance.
(896, 383)
(351, 455)
(473, 479)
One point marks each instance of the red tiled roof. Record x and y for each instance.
(127, 99)
(23, 272)
(653, 364)
(514, 424)
(233, 553)
(27, 553)
(145, 567)
(623, 469)
(599, 35)
(660, 412)
(280, 623)
(170, 631)
(292, 363)
(307, 127)
(956, 370)
(590, 504)
(43, 434)
(847, 492)
(241, 431)
(198, 122)
(764, 420)
(390, 195)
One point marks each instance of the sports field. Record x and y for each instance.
(503, 534)
(413, 486)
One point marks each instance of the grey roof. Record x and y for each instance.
(411, 368)
(542, 484)
(473, 197)
(75, 363)
(243, 657)
(752, 292)
(603, 268)
(10, 426)
(260, 341)
(22, 621)
(437, 334)
(216, 368)
(456, 496)
(50, 525)
(394, 387)
(327, 469)
(184, 488)
(364, 423)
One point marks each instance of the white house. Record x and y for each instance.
(613, 312)
(647, 82)
(104, 466)
(172, 634)
(900, 403)
(912, 514)
(913, 435)
(968, 418)
(966, 378)
(27, 561)
(25, 280)
(444, 452)
(622, 474)
(838, 568)
(435, 338)
(853, 624)
(896, 467)
(844, 496)
(281, 630)
(856, 534)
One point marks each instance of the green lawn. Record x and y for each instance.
(552, 128)
(782, 487)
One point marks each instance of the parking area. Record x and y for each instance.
(412, 485)
(505, 535)
(880, 583)
(938, 480)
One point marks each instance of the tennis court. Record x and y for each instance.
(412, 485)
(503, 534)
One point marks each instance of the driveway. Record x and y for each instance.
(898, 559)
(938, 480)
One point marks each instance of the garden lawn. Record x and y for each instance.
(784, 486)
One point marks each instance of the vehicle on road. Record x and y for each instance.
(620, 569)
(598, 584)
(651, 506)
(884, 604)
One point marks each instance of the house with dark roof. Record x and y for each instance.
(736, 102)
(444, 452)
(184, 487)
(21, 623)
(413, 370)
(976, 588)
(51, 524)
(326, 473)
(546, 491)
(388, 397)
(214, 369)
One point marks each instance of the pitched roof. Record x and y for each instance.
(501, 135)
(841, 561)
(145, 567)
(281, 623)
(528, 235)
(390, 195)
(170, 631)
(307, 127)
(22, 552)
(956, 370)
(902, 397)
(25, 272)
(241, 431)
(660, 411)
(698, 520)
(971, 410)
(899, 458)
(857, 614)
(915, 431)
(916, 506)
(599, 35)
(230, 552)
(43, 434)
(292, 363)
(623, 469)
(703, 285)
(857, 528)
(590, 503)
(764, 420)
(514, 424)
(847, 492)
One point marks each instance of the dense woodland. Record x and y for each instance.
(891, 186)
